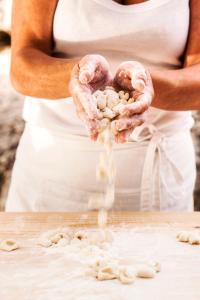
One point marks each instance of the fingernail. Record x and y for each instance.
(84, 77)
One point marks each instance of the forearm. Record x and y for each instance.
(36, 74)
(177, 89)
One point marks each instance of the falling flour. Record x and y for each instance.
(109, 103)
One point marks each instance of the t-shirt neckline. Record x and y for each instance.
(143, 6)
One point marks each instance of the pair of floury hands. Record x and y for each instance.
(93, 73)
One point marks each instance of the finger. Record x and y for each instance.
(132, 74)
(122, 137)
(128, 123)
(91, 125)
(93, 68)
(83, 94)
(137, 107)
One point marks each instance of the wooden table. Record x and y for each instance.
(32, 223)
(24, 227)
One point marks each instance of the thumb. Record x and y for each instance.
(87, 72)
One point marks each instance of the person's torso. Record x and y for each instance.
(153, 32)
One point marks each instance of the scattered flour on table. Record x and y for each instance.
(93, 248)
(60, 272)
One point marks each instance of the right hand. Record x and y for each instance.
(90, 74)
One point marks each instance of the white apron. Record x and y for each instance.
(55, 163)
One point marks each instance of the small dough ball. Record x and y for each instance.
(44, 242)
(101, 173)
(108, 113)
(126, 96)
(105, 276)
(102, 169)
(121, 94)
(112, 98)
(123, 101)
(81, 235)
(99, 114)
(145, 271)
(183, 236)
(130, 100)
(117, 108)
(110, 271)
(109, 87)
(101, 102)
(127, 275)
(9, 245)
(194, 238)
(155, 264)
(63, 242)
(56, 238)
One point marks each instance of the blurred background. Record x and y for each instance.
(11, 123)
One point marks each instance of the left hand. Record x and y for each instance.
(132, 76)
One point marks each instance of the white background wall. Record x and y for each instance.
(5, 14)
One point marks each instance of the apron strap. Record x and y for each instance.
(148, 132)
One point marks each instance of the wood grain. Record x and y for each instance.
(33, 223)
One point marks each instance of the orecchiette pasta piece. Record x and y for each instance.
(109, 87)
(126, 96)
(117, 108)
(101, 102)
(130, 100)
(112, 98)
(108, 272)
(9, 245)
(123, 101)
(194, 238)
(81, 235)
(127, 275)
(145, 271)
(108, 113)
(44, 242)
(104, 275)
(121, 94)
(63, 242)
(99, 114)
(52, 237)
(102, 169)
(101, 173)
(155, 264)
(183, 236)
(56, 238)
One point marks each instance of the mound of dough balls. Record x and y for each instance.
(109, 103)
(109, 269)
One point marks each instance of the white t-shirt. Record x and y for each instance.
(153, 33)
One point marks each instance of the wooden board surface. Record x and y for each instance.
(35, 222)
(34, 273)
